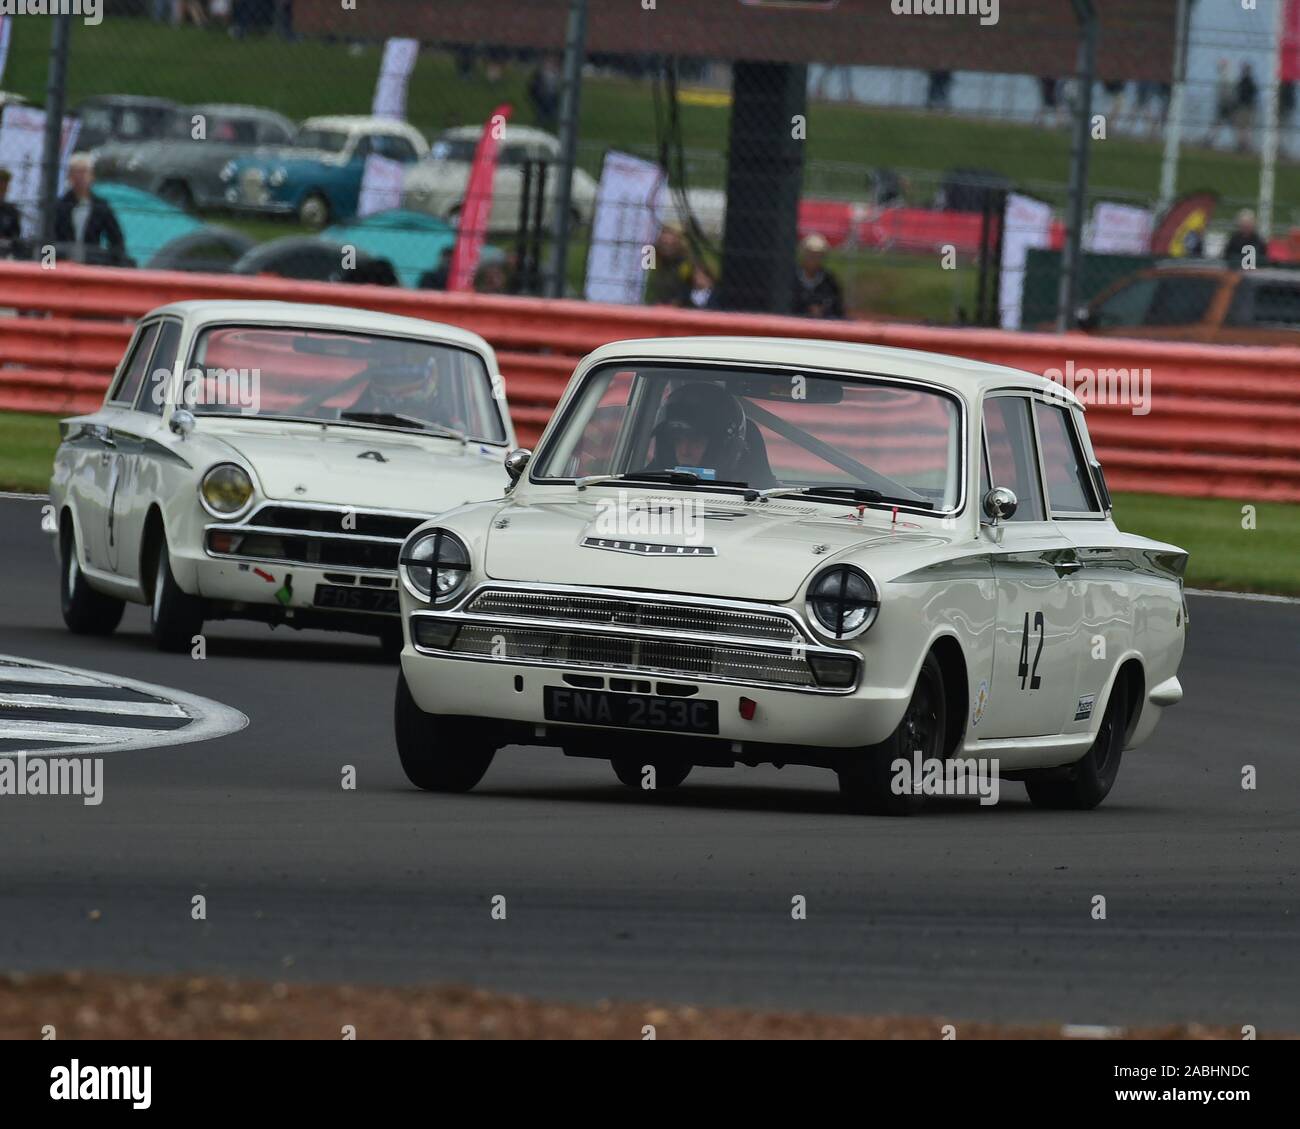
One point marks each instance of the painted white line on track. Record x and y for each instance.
(1254, 597)
(91, 705)
(210, 719)
(40, 676)
(19, 497)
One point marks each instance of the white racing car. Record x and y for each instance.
(265, 460)
(753, 550)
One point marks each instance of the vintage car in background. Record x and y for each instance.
(266, 460)
(314, 259)
(319, 178)
(125, 117)
(437, 184)
(186, 171)
(732, 550)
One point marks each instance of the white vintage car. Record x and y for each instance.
(732, 550)
(266, 460)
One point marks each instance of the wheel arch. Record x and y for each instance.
(154, 533)
(956, 687)
(1131, 674)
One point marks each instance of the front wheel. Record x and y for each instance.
(1084, 784)
(867, 778)
(175, 617)
(85, 611)
(314, 211)
(438, 753)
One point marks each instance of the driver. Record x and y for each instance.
(702, 429)
(406, 385)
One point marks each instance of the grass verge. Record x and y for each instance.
(1225, 553)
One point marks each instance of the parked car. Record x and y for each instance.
(185, 171)
(732, 550)
(319, 178)
(125, 117)
(265, 460)
(315, 260)
(413, 242)
(1201, 302)
(437, 184)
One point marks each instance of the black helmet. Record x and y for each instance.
(706, 410)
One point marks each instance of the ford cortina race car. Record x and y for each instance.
(754, 550)
(265, 460)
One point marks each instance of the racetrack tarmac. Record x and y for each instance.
(962, 911)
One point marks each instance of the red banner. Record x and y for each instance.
(477, 207)
(1290, 45)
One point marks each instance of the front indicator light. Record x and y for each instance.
(832, 671)
(436, 634)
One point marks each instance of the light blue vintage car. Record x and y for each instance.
(319, 178)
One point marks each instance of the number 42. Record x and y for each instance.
(1024, 670)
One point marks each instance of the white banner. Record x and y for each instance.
(22, 140)
(1026, 223)
(394, 73)
(381, 185)
(624, 225)
(1119, 229)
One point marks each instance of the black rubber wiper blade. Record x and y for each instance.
(396, 419)
(670, 477)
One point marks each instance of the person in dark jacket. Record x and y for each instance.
(1245, 235)
(816, 291)
(83, 218)
(11, 222)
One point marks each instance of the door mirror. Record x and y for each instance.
(1084, 318)
(1000, 504)
(182, 422)
(517, 462)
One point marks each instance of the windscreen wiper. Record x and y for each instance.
(671, 477)
(850, 494)
(396, 419)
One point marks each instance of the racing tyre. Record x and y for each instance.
(85, 611)
(1084, 784)
(391, 641)
(668, 773)
(175, 616)
(438, 753)
(867, 778)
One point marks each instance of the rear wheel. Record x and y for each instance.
(175, 617)
(85, 611)
(1084, 784)
(438, 753)
(668, 773)
(867, 776)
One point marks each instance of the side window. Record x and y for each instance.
(1277, 305)
(1069, 489)
(1181, 300)
(395, 148)
(128, 383)
(1128, 305)
(363, 148)
(153, 391)
(1013, 457)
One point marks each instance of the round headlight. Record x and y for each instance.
(226, 490)
(277, 177)
(435, 564)
(227, 171)
(843, 601)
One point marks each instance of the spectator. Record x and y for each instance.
(702, 289)
(1225, 103)
(1247, 95)
(11, 223)
(83, 218)
(938, 87)
(544, 92)
(1245, 235)
(1049, 93)
(491, 277)
(670, 281)
(436, 279)
(816, 291)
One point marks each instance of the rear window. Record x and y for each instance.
(1277, 305)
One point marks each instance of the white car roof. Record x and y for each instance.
(364, 123)
(200, 312)
(513, 133)
(961, 374)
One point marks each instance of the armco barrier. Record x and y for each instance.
(1222, 421)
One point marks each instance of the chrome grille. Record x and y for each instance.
(315, 536)
(633, 612)
(651, 656)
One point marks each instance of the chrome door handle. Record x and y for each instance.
(1067, 568)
